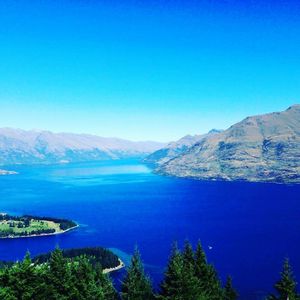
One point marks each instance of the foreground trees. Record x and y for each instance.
(286, 286)
(59, 279)
(188, 276)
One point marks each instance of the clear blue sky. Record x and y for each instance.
(146, 69)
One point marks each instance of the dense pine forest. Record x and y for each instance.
(95, 255)
(64, 276)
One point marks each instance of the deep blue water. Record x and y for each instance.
(250, 227)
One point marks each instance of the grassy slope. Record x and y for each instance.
(34, 225)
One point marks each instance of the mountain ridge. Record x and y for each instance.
(262, 148)
(176, 148)
(19, 146)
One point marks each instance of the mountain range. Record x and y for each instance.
(26, 147)
(176, 148)
(264, 148)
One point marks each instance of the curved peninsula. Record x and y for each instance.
(96, 256)
(108, 260)
(32, 226)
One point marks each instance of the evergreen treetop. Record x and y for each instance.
(229, 292)
(286, 285)
(136, 285)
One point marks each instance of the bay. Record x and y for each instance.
(246, 229)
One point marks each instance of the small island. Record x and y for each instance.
(32, 226)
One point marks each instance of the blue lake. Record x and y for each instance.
(246, 229)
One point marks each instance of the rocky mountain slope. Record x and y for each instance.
(20, 146)
(176, 148)
(263, 148)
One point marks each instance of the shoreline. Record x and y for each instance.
(39, 235)
(6, 172)
(117, 268)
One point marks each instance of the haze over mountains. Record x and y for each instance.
(26, 147)
(259, 148)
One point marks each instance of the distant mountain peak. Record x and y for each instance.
(41, 146)
(176, 148)
(259, 148)
(294, 107)
(212, 131)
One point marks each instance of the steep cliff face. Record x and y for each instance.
(259, 148)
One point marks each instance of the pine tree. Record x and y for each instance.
(286, 286)
(7, 294)
(190, 282)
(171, 283)
(83, 278)
(22, 279)
(209, 282)
(104, 281)
(200, 262)
(188, 256)
(229, 292)
(136, 285)
(212, 284)
(180, 282)
(59, 280)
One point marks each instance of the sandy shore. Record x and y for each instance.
(119, 267)
(39, 235)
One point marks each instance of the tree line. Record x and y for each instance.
(11, 232)
(95, 255)
(64, 224)
(188, 276)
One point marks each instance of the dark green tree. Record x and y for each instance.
(171, 283)
(229, 292)
(180, 282)
(136, 285)
(188, 256)
(200, 262)
(22, 279)
(190, 282)
(58, 277)
(84, 280)
(210, 284)
(286, 286)
(103, 280)
(7, 294)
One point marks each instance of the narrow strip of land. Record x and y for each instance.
(119, 267)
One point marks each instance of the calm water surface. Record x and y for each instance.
(246, 229)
